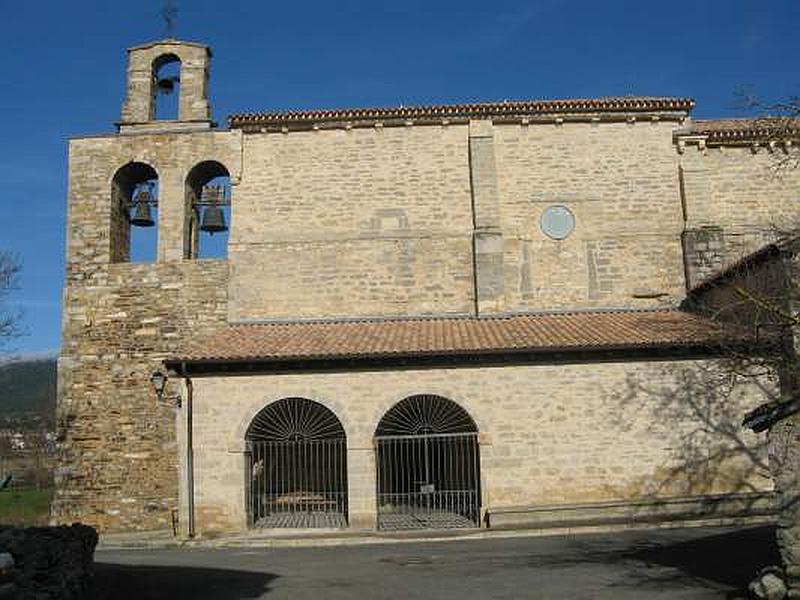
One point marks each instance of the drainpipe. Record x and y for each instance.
(189, 453)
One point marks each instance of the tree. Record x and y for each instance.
(776, 122)
(757, 301)
(10, 267)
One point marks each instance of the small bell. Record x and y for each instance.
(166, 85)
(213, 220)
(142, 215)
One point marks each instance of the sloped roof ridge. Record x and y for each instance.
(786, 244)
(736, 121)
(445, 317)
(433, 110)
(168, 42)
(525, 333)
(744, 128)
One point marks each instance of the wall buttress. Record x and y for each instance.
(487, 234)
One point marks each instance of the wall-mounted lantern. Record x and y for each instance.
(159, 383)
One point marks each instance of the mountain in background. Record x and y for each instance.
(28, 387)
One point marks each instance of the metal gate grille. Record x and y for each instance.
(427, 478)
(297, 471)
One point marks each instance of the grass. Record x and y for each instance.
(25, 506)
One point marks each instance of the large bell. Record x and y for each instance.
(213, 220)
(142, 215)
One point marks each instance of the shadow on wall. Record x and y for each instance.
(695, 412)
(144, 582)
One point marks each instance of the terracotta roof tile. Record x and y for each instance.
(444, 336)
(477, 109)
(746, 129)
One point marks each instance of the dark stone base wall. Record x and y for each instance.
(50, 562)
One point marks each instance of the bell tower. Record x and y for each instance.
(145, 83)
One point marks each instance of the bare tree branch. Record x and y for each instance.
(10, 267)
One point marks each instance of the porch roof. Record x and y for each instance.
(457, 336)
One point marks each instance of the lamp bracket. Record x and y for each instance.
(174, 401)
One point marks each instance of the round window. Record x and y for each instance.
(557, 222)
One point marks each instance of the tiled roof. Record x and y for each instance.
(479, 109)
(746, 129)
(452, 336)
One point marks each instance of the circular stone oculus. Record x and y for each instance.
(557, 222)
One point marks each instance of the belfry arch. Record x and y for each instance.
(166, 86)
(428, 465)
(296, 467)
(172, 71)
(133, 233)
(207, 210)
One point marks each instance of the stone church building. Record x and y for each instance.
(467, 315)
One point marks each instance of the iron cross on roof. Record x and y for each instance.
(169, 13)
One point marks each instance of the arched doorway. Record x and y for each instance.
(428, 466)
(297, 466)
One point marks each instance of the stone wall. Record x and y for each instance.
(352, 222)
(139, 107)
(50, 563)
(736, 200)
(386, 221)
(118, 453)
(550, 434)
(93, 162)
(620, 182)
(755, 295)
(413, 218)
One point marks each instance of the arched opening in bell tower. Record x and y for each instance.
(208, 211)
(166, 88)
(134, 213)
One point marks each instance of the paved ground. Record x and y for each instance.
(683, 563)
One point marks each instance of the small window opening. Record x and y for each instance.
(134, 214)
(166, 88)
(208, 195)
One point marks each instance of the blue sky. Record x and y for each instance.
(63, 65)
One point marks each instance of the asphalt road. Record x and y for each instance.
(685, 563)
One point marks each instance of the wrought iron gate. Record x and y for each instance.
(297, 471)
(427, 477)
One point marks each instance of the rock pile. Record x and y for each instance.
(768, 584)
(50, 562)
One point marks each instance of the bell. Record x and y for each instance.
(166, 85)
(212, 194)
(213, 220)
(142, 216)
